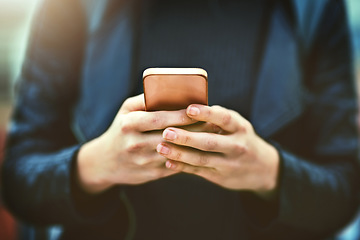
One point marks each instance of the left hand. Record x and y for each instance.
(235, 158)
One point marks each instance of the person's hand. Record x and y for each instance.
(126, 152)
(235, 158)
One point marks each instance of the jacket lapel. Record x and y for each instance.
(278, 96)
(106, 75)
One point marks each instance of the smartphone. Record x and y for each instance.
(174, 88)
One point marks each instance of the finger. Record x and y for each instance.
(202, 127)
(222, 117)
(209, 142)
(149, 160)
(205, 172)
(156, 164)
(148, 121)
(189, 155)
(136, 103)
(143, 142)
(167, 172)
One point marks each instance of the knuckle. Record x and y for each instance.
(135, 147)
(185, 140)
(210, 144)
(239, 148)
(156, 120)
(203, 159)
(195, 170)
(242, 129)
(177, 167)
(125, 126)
(248, 125)
(245, 126)
(141, 161)
(215, 128)
(208, 111)
(178, 156)
(125, 129)
(226, 119)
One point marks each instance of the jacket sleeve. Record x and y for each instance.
(38, 172)
(319, 173)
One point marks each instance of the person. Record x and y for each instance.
(273, 156)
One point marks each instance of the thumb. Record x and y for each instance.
(136, 103)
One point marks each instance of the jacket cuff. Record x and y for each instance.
(263, 214)
(90, 208)
(304, 200)
(268, 218)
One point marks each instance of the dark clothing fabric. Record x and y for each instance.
(204, 38)
(290, 75)
(208, 38)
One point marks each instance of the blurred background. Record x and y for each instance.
(15, 20)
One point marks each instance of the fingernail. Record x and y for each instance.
(168, 164)
(162, 149)
(169, 134)
(193, 111)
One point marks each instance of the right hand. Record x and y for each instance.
(126, 152)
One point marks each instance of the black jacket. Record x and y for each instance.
(303, 103)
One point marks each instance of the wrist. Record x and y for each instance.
(89, 174)
(269, 184)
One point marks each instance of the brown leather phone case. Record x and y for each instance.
(175, 89)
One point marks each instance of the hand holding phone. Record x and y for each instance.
(174, 88)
